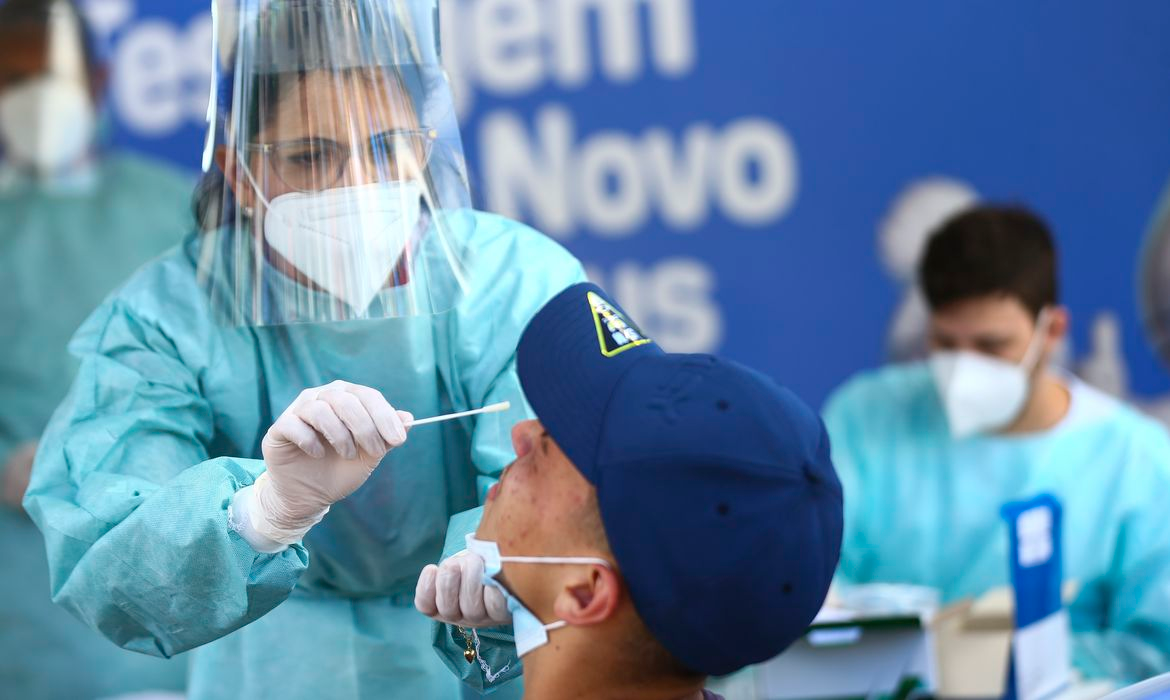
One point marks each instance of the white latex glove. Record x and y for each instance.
(17, 471)
(453, 593)
(320, 450)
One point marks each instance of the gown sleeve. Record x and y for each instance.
(134, 514)
(1122, 628)
(843, 416)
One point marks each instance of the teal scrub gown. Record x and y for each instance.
(164, 423)
(923, 508)
(64, 246)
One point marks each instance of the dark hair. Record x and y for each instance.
(213, 201)
(289, 47)
(991, 251)
(212, 198)
(14, 13)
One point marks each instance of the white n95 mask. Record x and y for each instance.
(47, 123)
(346, 240)
(982, 394)
(529, 631)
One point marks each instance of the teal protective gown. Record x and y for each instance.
(495, 663)
(164, 424)
(63, 248)
(922, 508)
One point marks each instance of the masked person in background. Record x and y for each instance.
(75, 221)
(231, 471)
(668, 517)
(928, 453)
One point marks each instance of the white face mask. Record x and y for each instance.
(982, 394)
(346, 240)
(47, 123)
(529, 631)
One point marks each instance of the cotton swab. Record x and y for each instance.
(494, 408)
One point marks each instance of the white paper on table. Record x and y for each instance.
(1041, 652)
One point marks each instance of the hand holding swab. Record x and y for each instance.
(494, 408)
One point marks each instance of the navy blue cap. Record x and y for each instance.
(716, 488)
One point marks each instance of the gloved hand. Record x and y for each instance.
(16, 473)
(320, 450)
(453, 592)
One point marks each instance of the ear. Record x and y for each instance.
(1058, 325)
(590, 598)
(225, 159)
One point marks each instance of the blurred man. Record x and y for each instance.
(668, 517)
(73, 223)
(929, 452)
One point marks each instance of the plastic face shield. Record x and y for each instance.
(334, 130)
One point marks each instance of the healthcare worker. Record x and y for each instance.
(232, 471)
(928, 453)
(1153, 278)
(75, 221)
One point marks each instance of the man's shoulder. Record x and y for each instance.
(1112, 426)
(892, 391)
(150, 199)
(140, 170)
(1093, 409)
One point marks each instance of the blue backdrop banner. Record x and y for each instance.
(756, 177)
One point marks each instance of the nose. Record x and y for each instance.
(361, 169)
(524, 436)
(394, 160)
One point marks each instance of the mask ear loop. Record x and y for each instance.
(589, 561)
(1032, 356)
(255, 187)
(558, 560)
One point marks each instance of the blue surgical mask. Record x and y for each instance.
(529, 631)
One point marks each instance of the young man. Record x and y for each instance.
(928, 453)
(668, 517)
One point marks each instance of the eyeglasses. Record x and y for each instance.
(313, 165)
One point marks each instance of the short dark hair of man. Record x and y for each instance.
(36, 15)
(990, 251)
